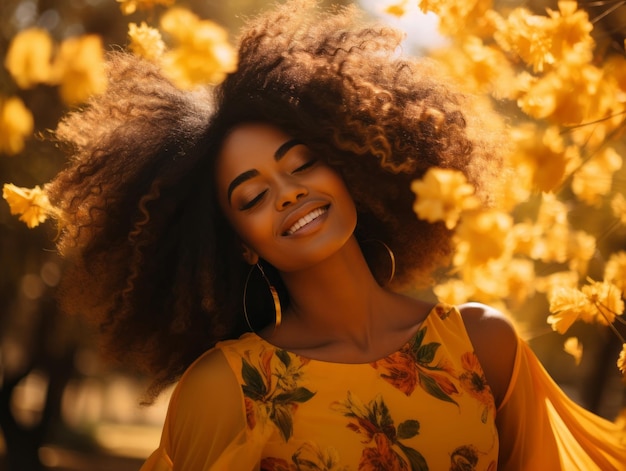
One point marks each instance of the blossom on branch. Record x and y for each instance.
(573, 347)
(594, 179)
(442, 195)
(28, 59)
(31, 204)
(79, 69)
(202, 54)
(145, 41)
(16, 122)
(598, 301)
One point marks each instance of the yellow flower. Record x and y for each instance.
(527, 240)
(458, 17)
(145, 41)
(621, 362)
(442, 195)
(79, 68)
(520, 278)
(594, 179)
(544, 155)
(482, 236)
(129, 7)
(607, 299)
(529, 36)
(28, 57)
(396, 9)
(567, 306)
(615, 270)
(541, 41)
(618, 205)
(203, 54)
(561, 279)
(571, 31)
(570, 94)
(16, 122)
(32, 204)
(581, 247)
(573, 346)
(453, 292)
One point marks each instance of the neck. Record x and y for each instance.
(337, 299)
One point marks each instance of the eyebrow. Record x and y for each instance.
(248, 174)
(283, 149)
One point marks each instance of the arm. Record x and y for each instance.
(495, 344)
(539, 427)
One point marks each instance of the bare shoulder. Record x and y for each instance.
(495, 344)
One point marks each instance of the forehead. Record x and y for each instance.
(248, 143)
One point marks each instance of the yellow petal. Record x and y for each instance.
(442, 195)
(28, 57)
(573, 347)
(145, 41)
(31, 204)
(621, 361)
(16, 123)
(79, 68)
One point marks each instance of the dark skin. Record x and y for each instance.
(295, 213)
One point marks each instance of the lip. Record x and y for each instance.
(298, 213)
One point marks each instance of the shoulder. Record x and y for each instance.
(210, 376)
(495, 343)
(206, 413)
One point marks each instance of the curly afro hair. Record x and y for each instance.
(149, 255)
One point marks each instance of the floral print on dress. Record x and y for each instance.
(465, 458)
(473, 381)
(308, 457)
(414, 365)
(386, 450)
(272, 389)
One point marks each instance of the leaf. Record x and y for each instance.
(417, 340)
(297, 395)
(431, 387)
(408, 429)
(284, 357)
(281, 416)
(417, 461)
(379, 413)
(254, 386)
(426, 353)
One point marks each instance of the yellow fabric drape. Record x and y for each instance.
(542, 428)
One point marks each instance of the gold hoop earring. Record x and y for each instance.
(392, 259)
(275, 298)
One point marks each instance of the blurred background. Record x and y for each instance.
(61, 406)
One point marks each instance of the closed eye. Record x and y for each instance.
(305, 166)
(250, 204)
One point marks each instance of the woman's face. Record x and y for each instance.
(288, 207)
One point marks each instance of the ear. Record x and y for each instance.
(249, 255)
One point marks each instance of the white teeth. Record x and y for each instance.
(303, 221)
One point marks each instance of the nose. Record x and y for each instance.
(290, 191)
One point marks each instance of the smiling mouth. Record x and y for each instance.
(303, 221)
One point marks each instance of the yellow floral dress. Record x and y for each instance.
(425, 407)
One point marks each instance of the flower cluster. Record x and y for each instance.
(200, 54)
(567, 102)
(77, 67)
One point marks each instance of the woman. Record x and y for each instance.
(256, 241)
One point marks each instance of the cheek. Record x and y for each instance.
(251, 229)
